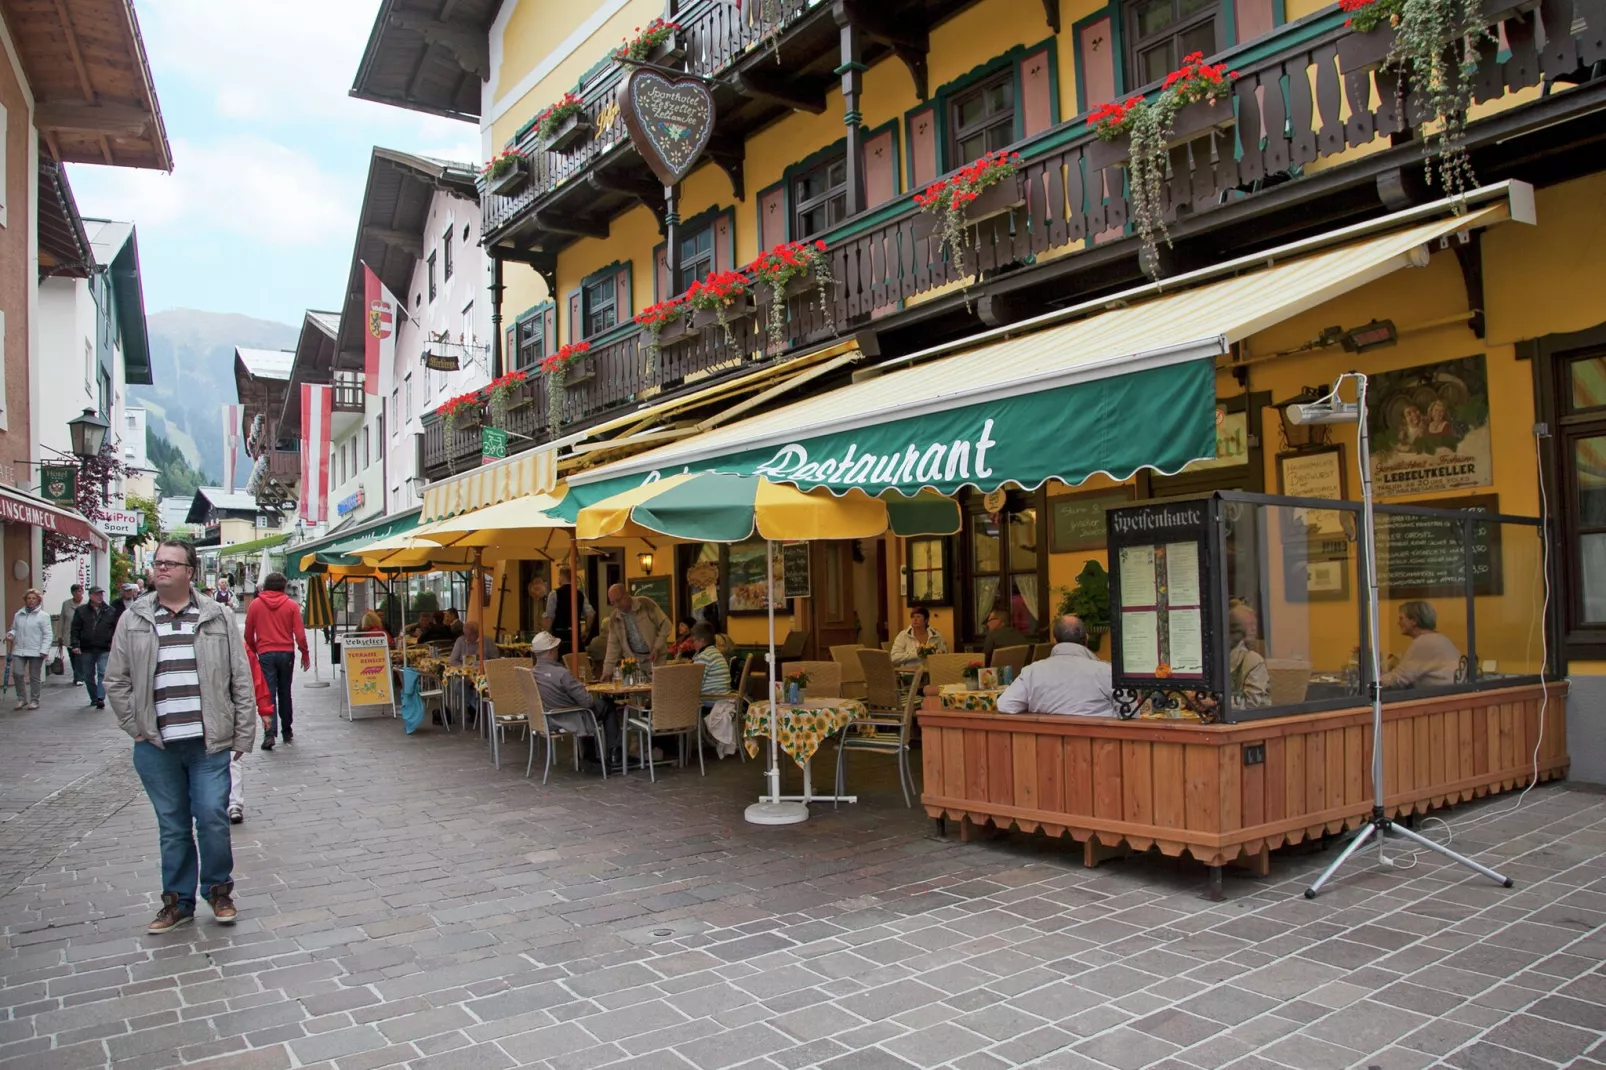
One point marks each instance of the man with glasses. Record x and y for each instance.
(180, 685)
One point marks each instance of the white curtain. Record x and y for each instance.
(986, 596)
(1026, 583)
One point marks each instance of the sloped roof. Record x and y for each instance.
(265, 363)
(63, 243)
(209, 498)
(427, 56)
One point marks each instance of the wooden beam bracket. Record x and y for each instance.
(1468, 247)
(86, 118)
(472, 50)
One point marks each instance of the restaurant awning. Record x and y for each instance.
(1128, 383)
(535, 472)
(241, 549)
(18, 507)
(336, 551)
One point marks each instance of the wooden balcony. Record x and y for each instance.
(348, 392)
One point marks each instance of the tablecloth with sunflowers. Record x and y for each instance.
(800, 727)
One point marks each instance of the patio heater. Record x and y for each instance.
(1334, 410)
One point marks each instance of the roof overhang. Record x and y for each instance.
(427, 56)
(314, 363)
(64, 250)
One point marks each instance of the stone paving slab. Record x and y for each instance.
(404, 904)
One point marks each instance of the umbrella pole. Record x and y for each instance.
(773, 811)
(574, 596)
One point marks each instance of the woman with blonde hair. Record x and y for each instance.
(373, 625)
(29, 637)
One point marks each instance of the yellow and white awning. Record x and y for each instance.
(535, 472)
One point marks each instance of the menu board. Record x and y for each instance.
(1425, 557)
(795, 569)
(655, 589)
(366, 659)
(1077, 521)
(1159, 592)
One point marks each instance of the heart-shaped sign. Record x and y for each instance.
(670, 120)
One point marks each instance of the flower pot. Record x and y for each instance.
(670, 53)
(998, 199)
(1364, 51)
(578, 370)
(738, 309)
(569, 134)
(512, 181)
(1201, 117)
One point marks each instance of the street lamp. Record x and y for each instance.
(88, 434)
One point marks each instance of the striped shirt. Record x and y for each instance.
(716, 670)
(178, 682)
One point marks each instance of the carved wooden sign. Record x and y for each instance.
(670, 120)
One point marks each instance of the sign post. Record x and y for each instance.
(366, 659)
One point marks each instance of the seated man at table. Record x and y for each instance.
(1000, 632)
(562, 696)
(437, 631)
(1432, 659)
(453, 621)
(637, 628)
(471, 644)
(716, 670)
(1071, 680)
(1246, 669)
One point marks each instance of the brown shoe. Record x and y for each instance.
(170, 917)
(222, 902)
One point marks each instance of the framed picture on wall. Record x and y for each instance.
(1314, 473)
(748, 570)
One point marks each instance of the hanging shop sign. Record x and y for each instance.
(493, 444)
(121, 522)
(58, 484)
(442, 362)
(670, 120)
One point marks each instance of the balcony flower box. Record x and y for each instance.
(671, 52)
(579, 369)
(1000, 198)
(1201, 117)
(511, 179)
(738, 309)
(569, 135)
(1364, 50)
(678, 330)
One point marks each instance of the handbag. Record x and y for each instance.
(58, 664)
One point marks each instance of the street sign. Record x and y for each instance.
(493, 444)
(121, 522)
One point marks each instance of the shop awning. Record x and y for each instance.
(17, 507)
(535, 472)
(255, 546)
(1130, 384)
(336, 550)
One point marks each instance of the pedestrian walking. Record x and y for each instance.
(273, 632)
(180, 685)
(127, 595)
(93, 626)
(30, 637)
(237, 767)
(64, 626)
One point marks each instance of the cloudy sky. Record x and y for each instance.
(269, 154)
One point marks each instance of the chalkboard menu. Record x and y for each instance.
(1078, 521)
(1424, 556)
(656, 589)
(795, 569)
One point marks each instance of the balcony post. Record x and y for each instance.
(671, 236)
(852, 74)
(496, 317)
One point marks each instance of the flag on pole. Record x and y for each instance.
(379, 328)
(317, 406)
(231, 444)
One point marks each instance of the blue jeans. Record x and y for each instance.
(92, 667)
(189, 789)
(277, 668)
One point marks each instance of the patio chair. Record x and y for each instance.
(677, 709)
(880, 682)
(1289, 680)
(825, 677)
(1041, 651)
(737, 694)
(792, 645)
(504, 702)
(891, 736)
(579, 666)
(942, 669)
(548, 730)
(1013, 656)
(847, 656)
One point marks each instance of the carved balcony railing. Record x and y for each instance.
(348, 392)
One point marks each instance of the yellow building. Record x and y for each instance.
(831, 118)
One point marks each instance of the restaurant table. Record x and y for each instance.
(622, 694)
(800, 728)
(983, 701)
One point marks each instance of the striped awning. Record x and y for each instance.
(535, 472)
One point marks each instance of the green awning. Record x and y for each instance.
(331, 550)
(255, 546)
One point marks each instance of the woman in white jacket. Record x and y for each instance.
(30, 638)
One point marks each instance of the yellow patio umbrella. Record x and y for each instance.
(517, 522)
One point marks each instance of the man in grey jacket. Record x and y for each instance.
(180, 685)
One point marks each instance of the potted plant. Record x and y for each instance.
(785, 271)
(507, 173)
(665, 318)
(555, 370)
(658, 42)
(719, 298)
(501, 389)
(949, 199)
(1435, 54)
(561, 126)
(627, 670)
(1090, 601)
(461, 410)
(797, 683)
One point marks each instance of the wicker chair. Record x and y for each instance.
(792, 645)
(881, 682)
(539, 725)
(737, 694)
(1015, 657)
(825, 677)
(1041, 651)
(504, 703)
(943, 669)
(579, 666)
(1289, 680)
(677, 709)
(853, 681)
(891, 736)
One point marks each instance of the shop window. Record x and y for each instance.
(601, 306)
(820, 198)
(927, 572)
(982, 119)
(1007, 563)
(696, 260)
(1160, 32)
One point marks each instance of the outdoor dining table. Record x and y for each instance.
(983, 701)
(800, 728)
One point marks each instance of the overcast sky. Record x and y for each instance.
(270, 154)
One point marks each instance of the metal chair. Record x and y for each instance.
(677, 709)
(825, 677)
(853, 682)
(539, 724)
(1014, 657)
(504, 704)
(881, 691)
(942, 669)
(882, 740)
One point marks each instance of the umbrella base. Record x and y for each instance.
(777, 813)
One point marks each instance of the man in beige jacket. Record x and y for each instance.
(636, 629)
(180, 685)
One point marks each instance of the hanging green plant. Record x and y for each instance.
(771, 17)
(498, 393)
(718, 293)
(554, 370)
(653, 319)
(948, 197)
(451, 411)
(1435, 51)
(781, 265)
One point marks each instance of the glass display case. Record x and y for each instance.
(1234, 607)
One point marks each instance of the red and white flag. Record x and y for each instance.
(380, 314)
(231, 444)
(317, 406)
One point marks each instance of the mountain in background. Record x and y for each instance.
(192, 363)
(174, 476)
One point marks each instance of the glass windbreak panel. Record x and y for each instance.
(1509, 609)
(1422, 575)
(984, 544)
(1589, 382)
(1294, 635)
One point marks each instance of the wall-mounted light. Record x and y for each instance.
(1374, 335)
(644, 560)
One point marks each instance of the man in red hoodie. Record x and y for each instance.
(273, 633)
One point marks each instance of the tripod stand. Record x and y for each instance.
(1331, 410)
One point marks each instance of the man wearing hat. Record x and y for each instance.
(127, 593)
(563, 697)
(93, 625)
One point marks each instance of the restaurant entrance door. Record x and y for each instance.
(834, 617)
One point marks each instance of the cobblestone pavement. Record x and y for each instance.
(402, 903)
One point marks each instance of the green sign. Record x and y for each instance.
(58, 483)
(493, 444)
